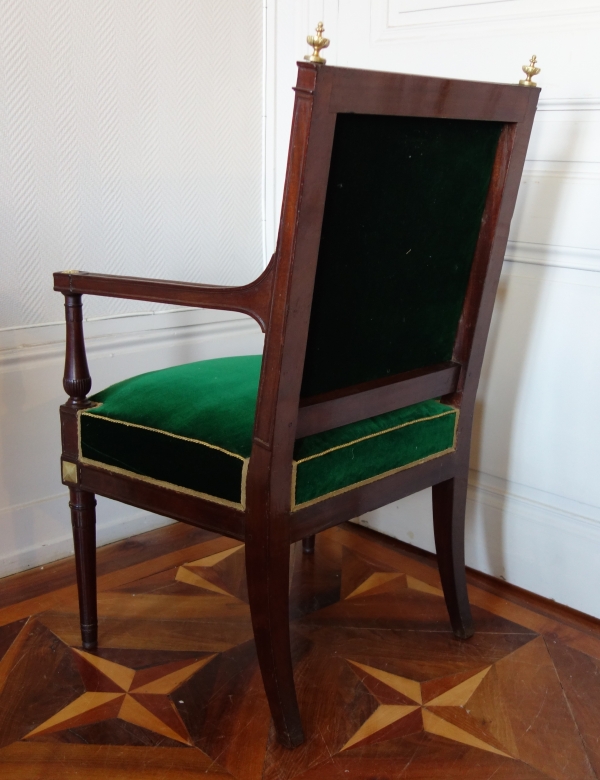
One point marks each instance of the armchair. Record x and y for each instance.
(376, 307)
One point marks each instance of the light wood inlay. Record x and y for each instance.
(212, 560)
(133, 712)
(374, 581)
(85, 703)
(460, 695)
(121, 675)
(384, 715)
(172, 681)
(414, 584)
(185, 575)
(441, 728)
(409, 688)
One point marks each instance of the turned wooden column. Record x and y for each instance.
(77, 383)
(77, 380)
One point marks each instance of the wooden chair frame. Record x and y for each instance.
(280, 301)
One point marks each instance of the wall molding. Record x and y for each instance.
(575, 258)
(546, 509)
(583, 171)
(569, 104)
(24, 348)
(484, 18)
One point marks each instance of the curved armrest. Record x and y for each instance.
(253, 299)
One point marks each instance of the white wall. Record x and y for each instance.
(131, 138)
(534, 502)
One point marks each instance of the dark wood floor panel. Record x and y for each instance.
(385, 689)
(579, 676)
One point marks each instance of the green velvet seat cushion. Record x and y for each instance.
(191, 427)
(337, 460)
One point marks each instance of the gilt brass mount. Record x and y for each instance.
(317, 42)
(530, 70)
(69, 471)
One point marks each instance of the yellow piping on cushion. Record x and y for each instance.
(362, 482)
(379, 433)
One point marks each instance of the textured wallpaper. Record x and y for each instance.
(130, 143)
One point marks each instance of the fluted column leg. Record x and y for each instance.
(83, 520)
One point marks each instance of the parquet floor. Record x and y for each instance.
(384, 688)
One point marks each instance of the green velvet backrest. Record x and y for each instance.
(402, 216)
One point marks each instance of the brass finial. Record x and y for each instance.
(317, 42)
(530, 70)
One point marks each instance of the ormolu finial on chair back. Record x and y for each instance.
(530, 70)
(317, 42)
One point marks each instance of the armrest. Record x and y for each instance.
(253, 299)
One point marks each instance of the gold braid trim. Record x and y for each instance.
(172, 486)
(374, 435)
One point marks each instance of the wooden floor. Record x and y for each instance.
(385, 690)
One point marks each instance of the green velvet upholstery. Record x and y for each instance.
(191, 427)
(334, 461)
(402, 215)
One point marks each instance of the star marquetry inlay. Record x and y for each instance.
(138, 696)
(401, 698)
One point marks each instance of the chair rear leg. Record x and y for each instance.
(449, 504)
(83, 520)
(267, 570)
(308, 544)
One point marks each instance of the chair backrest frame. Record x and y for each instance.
(282, 416)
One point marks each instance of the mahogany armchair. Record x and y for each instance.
(376, 308)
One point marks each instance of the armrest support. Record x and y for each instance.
(253, 299)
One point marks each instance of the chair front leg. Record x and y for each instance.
(83, 520)
(449, 505)
(267, 571)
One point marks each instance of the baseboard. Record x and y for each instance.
(42, 531)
